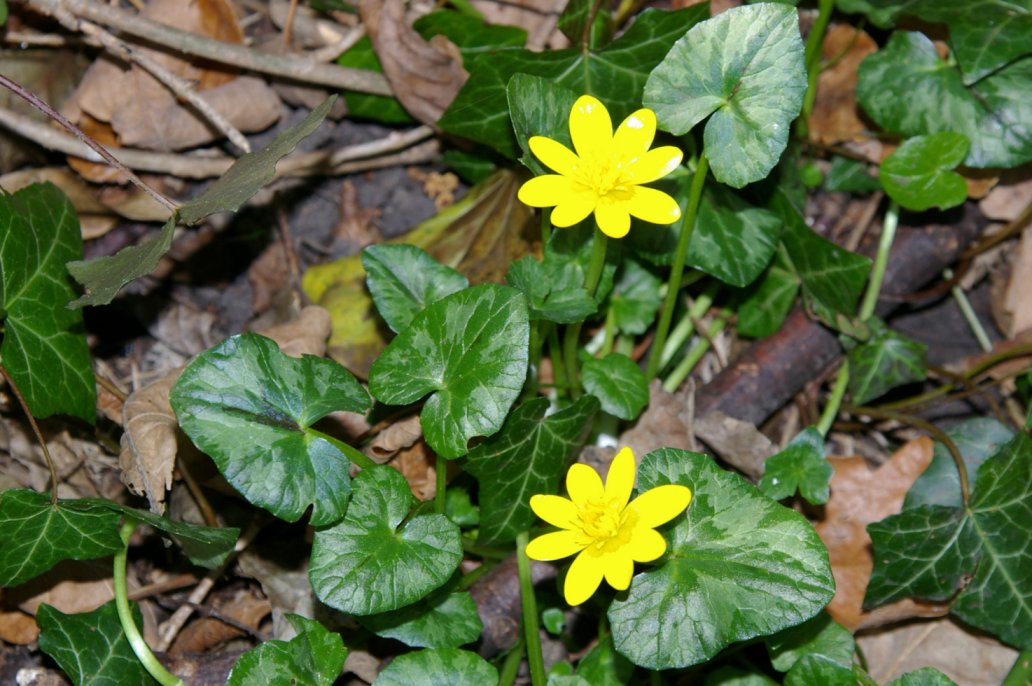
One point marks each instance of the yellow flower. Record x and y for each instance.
(605, 175)
(608, 533)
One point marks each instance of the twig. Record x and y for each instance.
(330, 52)
(35, 429)
(331, 159)
(286, 66)
(288, 27)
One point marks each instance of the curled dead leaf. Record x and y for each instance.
(396, 437)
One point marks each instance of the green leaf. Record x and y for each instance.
(918, 174)
(820, 636)
(472, 167)
(528, 456)
(736, 676)
(44, 346)
(460, 509)
(801, 465)
(817, 669)
(381, 108)
(603, 666)
(91, 647)
(472, 35)
(635, 299)
(619, 383)
(315, 657)
(549, 295)
(539, 107)
(745, 68)
(615, 75)
(404, 279)
(731, 240)
(739, 566)
(444, 619)
(469, 352)
(205, 546)
(438, 667)
(574, 20)
(887, 360)
(38, 534)
(767, 303)
(923, 677)
(102, 277)
(251, 408)
(906, 88)
(850, 176)
(374, 560)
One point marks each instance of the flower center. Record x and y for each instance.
(604, 176)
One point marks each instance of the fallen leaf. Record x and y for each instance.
(425, 76)
(185, 329)
(72, 586)
(246, 608)
(17, 627)
(1010, 197)
(309, 29)
(419, 470)
(537, 17)
(738, 443)
(1015, 312)
(667, 422)
(835, 116)
(396, 437)
(268, 274)
(859, 496)
(497, 594)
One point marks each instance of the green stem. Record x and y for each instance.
(354, 454)
(838, 391)
(511, 665)
(125, 614)
(441, 467)
(968, 312)
(535, 658)
(686, 365)
(571, 342)
(610, 337)
(680, 333)
(677, 269)
(1021, 673)
(596, 262)
(546, 226)
(814, 41)
(881, 260)
(555, 353)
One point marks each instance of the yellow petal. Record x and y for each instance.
(620, 480)
(654, 164)
(661, 504)
(618, 569)
(591, 128)
(584, 484)
(573, 206)
(545, 191)
(652, 206)
(555, 510)
(634, 135)
(554, 155)
(554, 546)
(612, 217)
(645, 545)
(583, 578)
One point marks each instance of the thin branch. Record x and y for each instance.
(285, 66)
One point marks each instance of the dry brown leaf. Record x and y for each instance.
(419, 470)
(268, 274)
(396, 437)
(738, 443)
(665, 423)
(356, 222)
(185, 329)
(537, 17)
(246, 607)
(425, 76)
(835, 115)
(71, 586)
(1010, 198)
(1015, 311)
(17, 627)
(309, 29)
(859, 496)
(306, 335)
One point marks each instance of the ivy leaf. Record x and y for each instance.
(438, 667)
(767, 302)
(526, 457)
(801, 465)
(619, 383)
(615, 75)
(919, 174)
(251, 408)
(548, 294)
(819, 636)
(381, 108)
(103, 277)
(635, 299)
(469, 351)
(403, 279)
(887, 360)
(739, 566)
(539, 107)
(314, 657)
(745, 68)
(91, 647)
(731, 240)
(906, 88)
(44, 346)
(850, 176)
(444, 619)
(205, 546)
(574, 20)
(371, 561)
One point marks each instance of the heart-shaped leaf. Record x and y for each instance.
(887, 360)
(919, 174)
(403, 279)
(801, 465)
(444, 619)
(251, 408)
(549, 296)
(731, 240)
(315, 657)
(767, 302)
(818, 669)
(469, 351)
(619, 383)
(635, 299)
(745, 68)
(438, 667)
(738, 566)
(527, 457)
(370, 562)
(819, 636)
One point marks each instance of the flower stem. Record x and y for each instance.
(677, 269)
(125, 614)
(511, 665)
(555, 353)
(838, 391)
(685, 366)
(535, 658)
(441, 468)
(353, 454)
(571, 341)
(881, 260)
(546, 226)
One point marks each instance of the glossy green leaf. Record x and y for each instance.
(381, 108)
(573, 22)
(745, 68)
(739, 566)
(850, 176)
(403, 279)
(38, 534)
(906, 88)
(251, 408)
(568, 254)
(801, 465)
(817, 669)
(471, 35)
(819, 636)
(919, 174)
(619, 384)
(615, 75)
(314, 657)
(549, 291)
(205, 546)
(444, 619)
(460, 509)
(438, 667)
(44, 345)
(472, 167)
(539, 107)
(736, 676)
(102, 277)
(768, 302)
(91, 647)
(634, 301)
(469, 352)
(374, 560)
(731, 240)
(528, 456)
(603, 666)
(923, 677)
(887, 360)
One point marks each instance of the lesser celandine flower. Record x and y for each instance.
(605, 173)
(608, 533)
